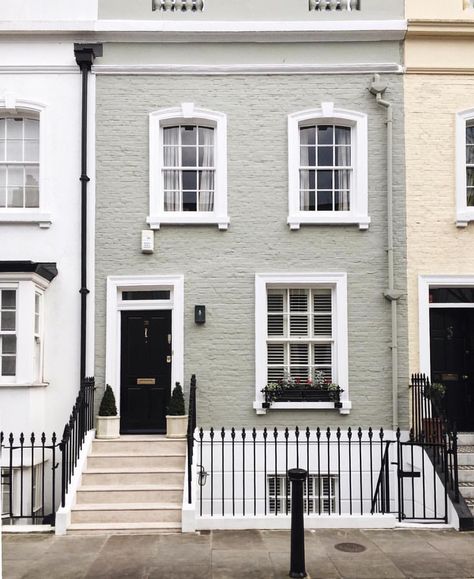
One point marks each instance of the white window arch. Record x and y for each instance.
(464, 167)
(188, 167)
(22, 162)
(328, 167)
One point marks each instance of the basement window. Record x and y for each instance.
(319, 494)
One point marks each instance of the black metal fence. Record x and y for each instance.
(36, 471)
(352, 473)
(431, 427)
(190, 433)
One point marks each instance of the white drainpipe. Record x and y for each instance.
(377, 88)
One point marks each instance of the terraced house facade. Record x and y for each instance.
(243, 221)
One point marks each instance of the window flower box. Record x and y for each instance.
(291, 390)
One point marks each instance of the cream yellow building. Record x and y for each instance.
(439, 105)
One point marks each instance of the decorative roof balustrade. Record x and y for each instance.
(333, 5)
(178, 5)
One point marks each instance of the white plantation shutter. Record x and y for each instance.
(300, 337)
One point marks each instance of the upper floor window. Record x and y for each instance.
(465, 168)
(328, 167)
(188, 167)
(19, 162)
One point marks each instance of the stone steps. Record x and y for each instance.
(466, 467)
(131, 484)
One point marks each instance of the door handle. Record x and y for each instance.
(168, 359)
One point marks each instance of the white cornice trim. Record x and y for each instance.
(39, 69)
(224, 69)
(220, 31)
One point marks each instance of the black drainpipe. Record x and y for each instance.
(85, 55)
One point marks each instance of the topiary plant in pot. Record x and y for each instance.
(176, 419)
(108, 421)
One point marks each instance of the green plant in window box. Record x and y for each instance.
(289, 389)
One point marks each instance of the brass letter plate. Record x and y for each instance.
(143, 381)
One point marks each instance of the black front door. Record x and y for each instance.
(145, 371)
(452, 361)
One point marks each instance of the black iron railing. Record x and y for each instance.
(244, 472)
(381, 498)
(190, 433)
(36, 471)
(80, 422)
(432, 428)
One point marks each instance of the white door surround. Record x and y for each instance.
(425, 283)
(115, 305)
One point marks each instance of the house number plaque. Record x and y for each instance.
(143, 381)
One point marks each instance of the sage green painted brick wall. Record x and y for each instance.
(219, 266)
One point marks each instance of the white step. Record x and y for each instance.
(139, 446)
(467, 490)
(466, 456)
(466, 473)
(131, 460)
(466, 438)
(127, 513)
(123, 528)
(131, 476)
(130, 494)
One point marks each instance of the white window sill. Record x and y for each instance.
(327, 218)
(463, 218)
(188, 218)
(24, 384)
(345, 409)
(34, 217)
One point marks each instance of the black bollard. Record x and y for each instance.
(297, 566)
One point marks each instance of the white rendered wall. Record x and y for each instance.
(48, 10)
(47, 408)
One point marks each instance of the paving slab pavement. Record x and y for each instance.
(401, 553)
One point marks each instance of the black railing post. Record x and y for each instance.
(455, 464)
(190, 433)
(297, 477)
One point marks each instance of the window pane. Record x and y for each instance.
(171, 201)
(15, 197)
(32, 129)
(275, 374)
(14, 128)
(470, 197)
(325, 180)
(8, 321)
(146, 295)
(298, 300)
(206, 180)
(171, 156)
(324, 201)
(8, 299)
(275, 301)
(470, 135)
(3, 197)
(171, 180)
(189, 200)
(189, 157)
(8, 365)
(342, 179)
(323, 326)
(470, 155)
(14, 150)
(322, 354)
(322, 300)
(307, 201)
(189, 135)
(2, 129)
(15, 176)
(3, 176)
(2, 151)
(343, 156)
(31, 197)
(470, 177)
(190, 180)
(31, 176)
(308, 136)
(8, 344)
(276, 325)
(307, 179)
(206, 136)
(299, 325)
(299, 354)
(171, 136)
(32, 151)
(206, 201)
(276, 354)
(343, 136)
(308, 156)
(342, 202)
(325, 156)
(325, 135)
(206, 156)
(301, 373)
(452, 295)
